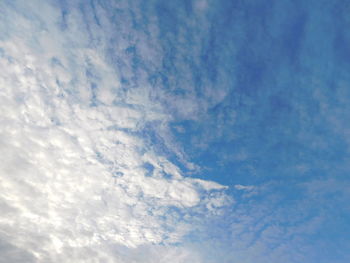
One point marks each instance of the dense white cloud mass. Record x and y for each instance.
(75, 179)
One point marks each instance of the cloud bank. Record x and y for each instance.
(85, 171)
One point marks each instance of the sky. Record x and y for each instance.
(202, 131)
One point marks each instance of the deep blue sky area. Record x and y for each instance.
(282, 65)
(283, 68)
(283, 122)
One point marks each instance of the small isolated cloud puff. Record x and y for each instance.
(244, 187)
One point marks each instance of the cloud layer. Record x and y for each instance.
(82, 179)
(111, 111)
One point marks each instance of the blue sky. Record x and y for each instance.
(175, 131)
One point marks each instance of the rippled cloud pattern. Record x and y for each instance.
(178, 131)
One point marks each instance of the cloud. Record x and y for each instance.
(74, 151)
(11, 253)
(244, 187)
(106, 105)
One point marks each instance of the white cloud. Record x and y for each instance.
(74, 186)
(244, 187)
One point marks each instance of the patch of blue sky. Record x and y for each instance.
(283, 119)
